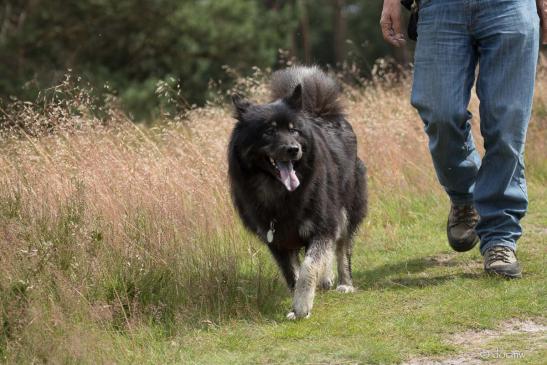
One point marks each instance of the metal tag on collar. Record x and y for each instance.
(270, 233)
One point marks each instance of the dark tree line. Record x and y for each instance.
(133, 44)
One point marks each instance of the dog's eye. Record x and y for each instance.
(269, 132)
(294, 132)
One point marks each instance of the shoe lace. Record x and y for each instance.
(499, 254)
(465, 214)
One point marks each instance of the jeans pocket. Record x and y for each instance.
(422, 13)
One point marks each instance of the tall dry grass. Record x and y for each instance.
(107, 224)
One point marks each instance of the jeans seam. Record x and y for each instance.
(520, 178)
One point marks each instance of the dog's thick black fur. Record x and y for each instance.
(296, 180)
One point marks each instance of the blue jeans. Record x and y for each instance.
(502, 38)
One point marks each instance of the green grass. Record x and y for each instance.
(413, 293)
(92, 273)
(411, 297)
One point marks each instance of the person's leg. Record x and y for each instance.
(444, 71)
(445, 63)
(507, 33)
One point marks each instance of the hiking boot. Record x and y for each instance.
(460, 228)
(501, 260)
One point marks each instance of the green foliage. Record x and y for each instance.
(133, 45)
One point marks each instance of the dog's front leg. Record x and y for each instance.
(288, 263)
(317, 255)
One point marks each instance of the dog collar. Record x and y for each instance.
(271, 231)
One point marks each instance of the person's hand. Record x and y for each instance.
(390, 21)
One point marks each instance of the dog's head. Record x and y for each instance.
(272, 138)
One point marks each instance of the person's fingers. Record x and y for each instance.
(401, 40)
(396, 22)
(389, 34)
(386, 29)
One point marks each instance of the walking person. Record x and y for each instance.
(488, 197)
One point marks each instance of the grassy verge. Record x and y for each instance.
(413, 294)
(412, 297)
(119, 245)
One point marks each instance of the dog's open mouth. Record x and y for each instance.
(286, 174)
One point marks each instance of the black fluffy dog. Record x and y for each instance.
(297, 182)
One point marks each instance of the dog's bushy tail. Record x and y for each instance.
(320, 92)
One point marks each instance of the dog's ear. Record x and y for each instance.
(240, 104)
(295, 100)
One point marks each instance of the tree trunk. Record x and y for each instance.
(339, 26)
(305, 30)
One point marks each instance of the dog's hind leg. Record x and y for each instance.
(317, 255)
(343, 260)
(288, 263)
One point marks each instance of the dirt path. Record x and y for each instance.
(480, 346)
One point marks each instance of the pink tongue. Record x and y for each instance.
(288, 175)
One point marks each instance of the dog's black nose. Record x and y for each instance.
(293, 150)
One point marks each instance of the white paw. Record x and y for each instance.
(291, 316)
(345, 289)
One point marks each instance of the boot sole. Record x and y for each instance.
(505, 274)
(463, 247)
